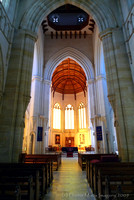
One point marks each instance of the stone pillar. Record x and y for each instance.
(16, 96)
(91, 110)
(35, 108)
(103, 108)
(46, 109)
(120, 90)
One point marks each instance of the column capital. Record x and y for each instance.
(100, 76)
(90, 81)
(31, 34)
(109, 31)
(48, 82)
(105, 33)
(37, 77)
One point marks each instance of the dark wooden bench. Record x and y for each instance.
(24, 190)
(42, 175)
(10, 191)
(106, 166)
(104, 159)
(83, 157)
(55, 158)
(116, 181)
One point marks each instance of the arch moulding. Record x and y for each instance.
(36, 11)
(68, 52)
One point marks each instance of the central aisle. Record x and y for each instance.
(69, 182)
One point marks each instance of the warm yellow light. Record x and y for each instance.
(82, 117)
(69, 117)
(57, 117)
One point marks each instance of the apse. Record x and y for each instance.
(69, 105)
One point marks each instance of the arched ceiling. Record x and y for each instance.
(69, 78)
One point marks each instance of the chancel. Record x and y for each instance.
(66, 99)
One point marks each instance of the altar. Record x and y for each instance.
(70, 149)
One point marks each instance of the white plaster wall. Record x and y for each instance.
(69, 99)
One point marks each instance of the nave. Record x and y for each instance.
(69, 182)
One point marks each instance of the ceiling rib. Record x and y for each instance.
(69, 78)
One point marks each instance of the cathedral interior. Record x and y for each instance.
(67, 97)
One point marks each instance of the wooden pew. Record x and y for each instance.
(23, 191)
(104, 166)
(41, 173)
(110, 179)
(82, 157)
(10, 192)
(112, 158)
(55, 158)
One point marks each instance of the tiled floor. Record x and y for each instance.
(69, 183)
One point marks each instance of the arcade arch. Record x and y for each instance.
(89, 100)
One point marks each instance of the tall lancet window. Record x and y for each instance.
(57, 116)
(82, 116)
(69, 117)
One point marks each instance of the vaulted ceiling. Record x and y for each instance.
(69, 78)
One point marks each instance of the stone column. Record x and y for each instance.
(16, 96)
(91, 110)
(120, 90)
(46, 110)
(35, 110)
(103, 108)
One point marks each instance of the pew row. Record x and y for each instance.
(33, 179)
(55, 158)
(10, 192)
(83, 157)
(111, 179)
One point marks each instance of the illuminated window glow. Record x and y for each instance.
(57, 116)
(69, 117)
(82, 116)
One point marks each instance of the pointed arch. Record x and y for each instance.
(57, 116)
(37, 10)
(73, 53)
